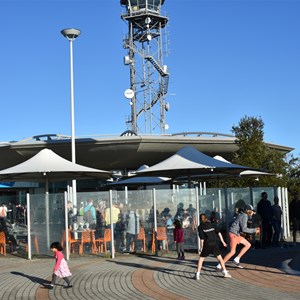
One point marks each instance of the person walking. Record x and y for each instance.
(236, 231)
(208, 244)
(179, 239)
(294, 209)
(61, 268)
(276, 221)
(264, 209)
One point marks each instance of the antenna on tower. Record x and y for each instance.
(149, 77)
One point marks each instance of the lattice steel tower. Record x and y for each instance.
(149, 77)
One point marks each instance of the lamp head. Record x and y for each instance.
(70, 33)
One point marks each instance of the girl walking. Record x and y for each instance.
(179, 239)
(208, 243)
(61, 268)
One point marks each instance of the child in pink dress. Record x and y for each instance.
(61, 268)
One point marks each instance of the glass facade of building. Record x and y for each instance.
(50, 216)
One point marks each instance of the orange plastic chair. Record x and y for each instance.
(161, 236)
(87, 238)
(101, 242)
(71, 241)
(141, 237)
(2, 243)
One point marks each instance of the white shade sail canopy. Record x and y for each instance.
(189, 161)
(48, 165)
(247, 173)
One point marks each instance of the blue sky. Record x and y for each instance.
(227, 59)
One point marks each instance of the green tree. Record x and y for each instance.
(293, 173)
(253, 152)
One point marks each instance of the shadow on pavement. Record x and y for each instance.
(34, 279)
(271, 257)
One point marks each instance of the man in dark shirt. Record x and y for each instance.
(294, 209)
(264, 209)
(277, 213)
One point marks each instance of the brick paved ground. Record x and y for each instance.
(148, 277)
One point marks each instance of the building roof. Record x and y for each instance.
(125, 152)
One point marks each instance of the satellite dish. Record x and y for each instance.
(129, 94)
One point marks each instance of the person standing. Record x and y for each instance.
(133, 229)
(13, 215)
(3, 211)
(3, 228)
(294, 209)
(90, 214)
(208, 244)
(236, 232)
(61, 268)
(81, 209)
(71, 216)
(276, 222)
(120, 232)
(100, 223)
(264, 209)
(9, 237)
(179, 239)
(180, 212)
(115, 216)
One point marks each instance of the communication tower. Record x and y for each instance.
(149, 77)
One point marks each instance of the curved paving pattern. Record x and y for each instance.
(147, 277)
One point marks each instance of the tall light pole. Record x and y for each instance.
(71, 34)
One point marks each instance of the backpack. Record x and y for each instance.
(88, 217)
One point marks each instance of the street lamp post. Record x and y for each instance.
(71, 34)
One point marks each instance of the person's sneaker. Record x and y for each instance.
(226, 275)
(197, 276)
(237, 264)
(50, 286)
(218, 268)
(68, 286)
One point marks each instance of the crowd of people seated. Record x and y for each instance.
(127, 221)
